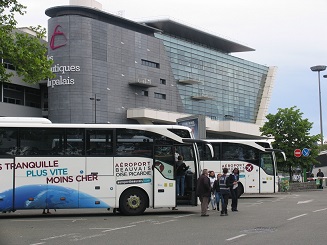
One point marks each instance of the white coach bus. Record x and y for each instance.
(121, 167)
(255, 159)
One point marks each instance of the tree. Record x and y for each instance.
(27, 53)
(291, 132)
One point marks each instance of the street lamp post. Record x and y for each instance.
(319, 68)
(95, 107)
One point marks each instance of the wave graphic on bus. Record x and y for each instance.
(41, 196)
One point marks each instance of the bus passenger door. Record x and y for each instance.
(267, 178)
(7, 184)
(164, 184)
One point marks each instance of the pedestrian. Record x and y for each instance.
(235, 176)
(48, 211)
(212, 178)
(320, 175)
(225, 182)
(181, 169)
(216, 189)
(176, 154)
(203, 191)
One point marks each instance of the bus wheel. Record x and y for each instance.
(133, 202)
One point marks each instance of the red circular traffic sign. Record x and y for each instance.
(249, 167)
(297, 152)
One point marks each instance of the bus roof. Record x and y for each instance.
(45, 123)
(238, 140)
(24, 120)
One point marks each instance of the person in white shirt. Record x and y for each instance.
(212, 178)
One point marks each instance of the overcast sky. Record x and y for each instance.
(289, 34)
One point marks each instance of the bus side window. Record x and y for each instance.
(205, 153)
(75, 142)
(231, 151)
(8, 141)
(132, 142)
(216, 150)
(266, 163)
(40, 141)
(99, 142)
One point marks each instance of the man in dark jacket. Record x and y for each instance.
(320, 174)
(204, 191)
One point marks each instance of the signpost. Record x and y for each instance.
(297, 152)
(305, 152)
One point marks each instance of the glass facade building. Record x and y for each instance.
(223, 86)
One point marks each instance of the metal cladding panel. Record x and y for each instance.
(91, 58)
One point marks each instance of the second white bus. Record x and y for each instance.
(255, 160)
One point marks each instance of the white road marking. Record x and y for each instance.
(302, 202)
(60, 236)
(235, 237)
(160, 223)
(99, 235)
(295, 217)
(279, 199)
(87, 237)
(41, 220)
(183, 216)
(176, 216)
(254, 203)
(141, 221)
(318, 210)
(119, 228)
(39, 243)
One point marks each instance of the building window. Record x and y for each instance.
(7, 65)
(12, 101)
(19, 95)
(163, 81)
(150, 64)
(160, 96)
(145, 93)
(13, 94)
(32, 97)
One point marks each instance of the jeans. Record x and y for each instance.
(213, 201)
(219, 197)
(180, 183)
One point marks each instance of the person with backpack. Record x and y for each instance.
(225, 183)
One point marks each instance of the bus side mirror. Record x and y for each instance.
(211, 150)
